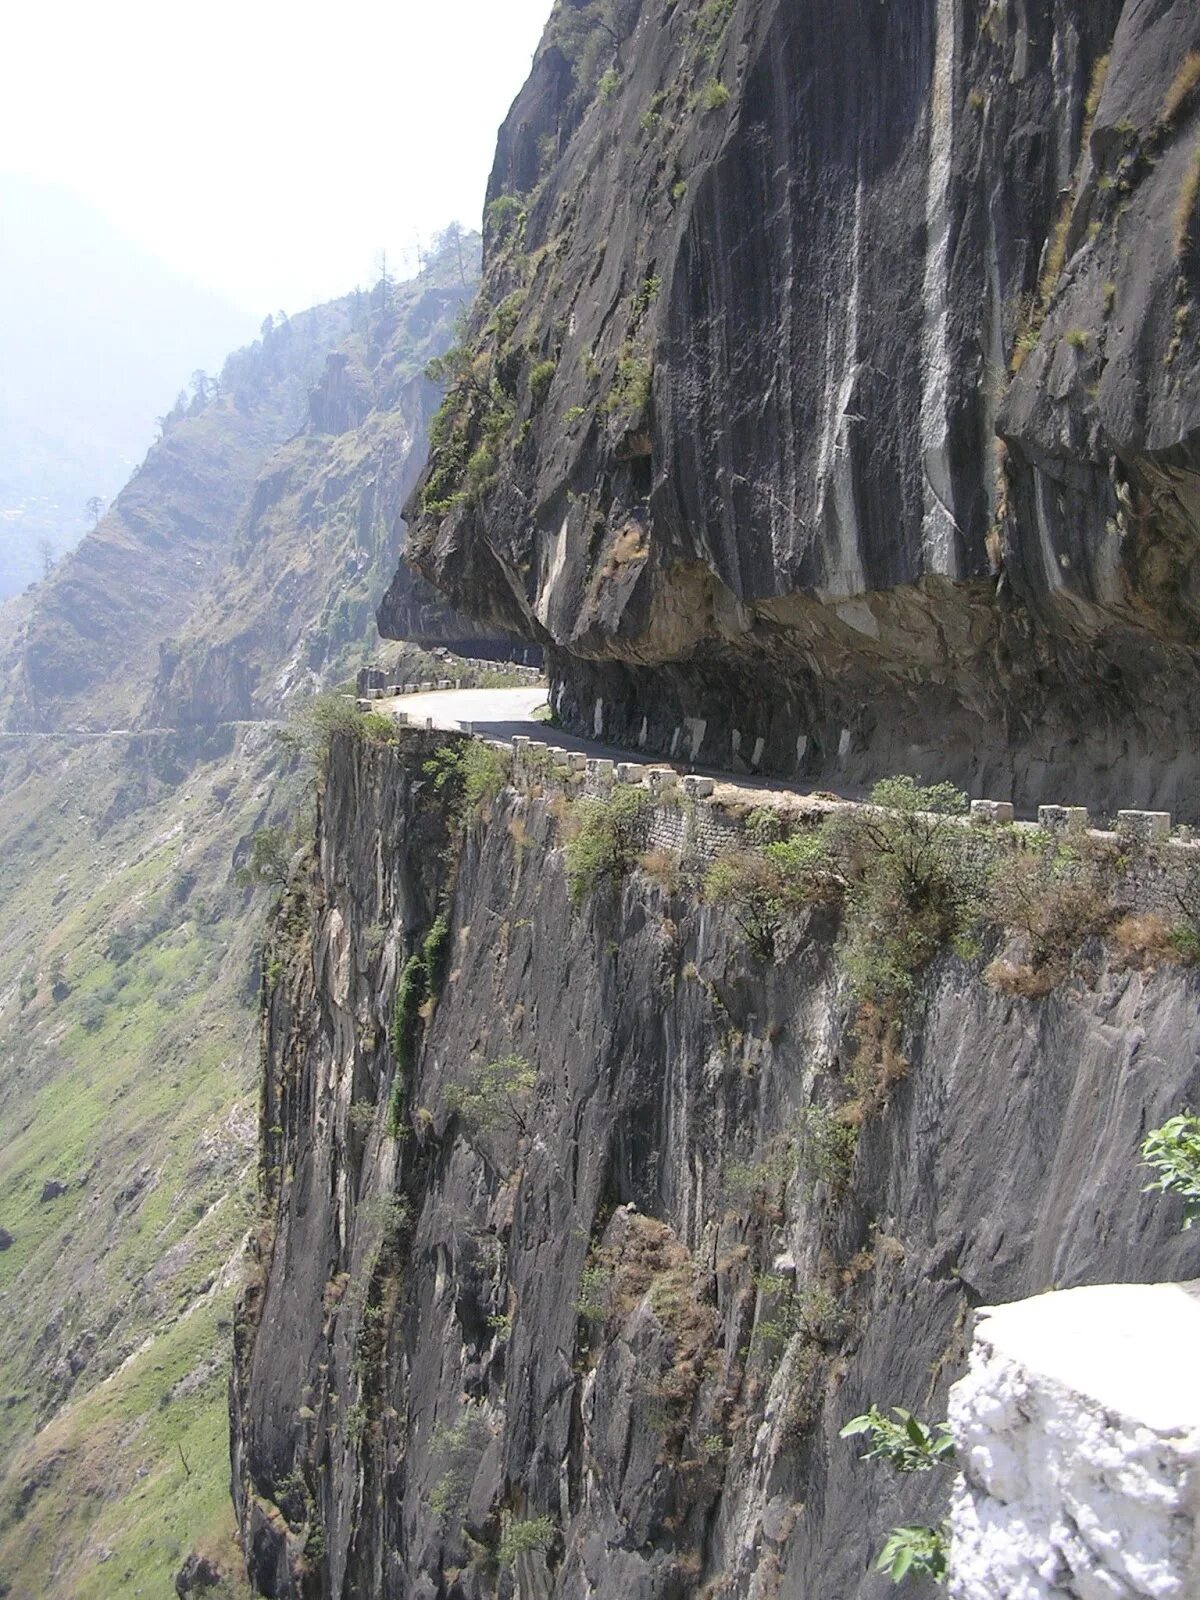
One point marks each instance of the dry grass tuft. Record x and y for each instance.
(878, 1063)
(1143, 943)
(1184, 84)
(1021, 980)
(1184, 218)
(1056, 258)
(1096, 88)
(663, 867)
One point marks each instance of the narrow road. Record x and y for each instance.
(138, 733)
(503, 713)
(495, 713)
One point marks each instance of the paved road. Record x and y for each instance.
(501, 713)
(496, 713)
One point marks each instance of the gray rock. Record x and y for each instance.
(197, 1574)
(53, 1188)
(829, 518)
(594, 1305)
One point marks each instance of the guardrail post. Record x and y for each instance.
(1063, 819)
(1148, 827)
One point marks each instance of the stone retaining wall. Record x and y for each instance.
(699, 817)
(373, 684)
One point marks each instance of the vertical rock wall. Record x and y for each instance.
(866, 351)
(633, 1307)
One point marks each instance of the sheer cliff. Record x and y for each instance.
(851, 348)
(587, 1224)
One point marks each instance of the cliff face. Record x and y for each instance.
(853, 347)
(602, 1313)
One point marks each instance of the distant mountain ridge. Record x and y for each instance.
(96, 339)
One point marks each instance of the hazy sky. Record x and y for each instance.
(269, 150)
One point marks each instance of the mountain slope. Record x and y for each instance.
(128, 944)
(137, 577)
(96, 341)
(323, 530)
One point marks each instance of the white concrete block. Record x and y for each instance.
(1151, 827)
(991, 811)
(1063, 819)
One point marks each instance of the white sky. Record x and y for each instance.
(268, 150)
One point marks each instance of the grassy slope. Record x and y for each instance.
(137, 1090)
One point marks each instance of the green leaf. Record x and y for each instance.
(861, 1424)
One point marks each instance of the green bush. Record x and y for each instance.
(595, 1282)
(825, 1147)
(497, 1095)
(914, 1552)
(607, 840)
(764, 826)
(906, 1444)
(808, 871)
(313, 731)
(458, 1450)
(270, 858)
(356, 1423)
(713, 95)
(631, 388)
(540, 379)
(420, 979)
(1173, 1151)
(751, 885)
(915, 881)
(536, 1533)
(760, 1183)
(811, 1311)
(474, 419)
(607, 86)
(468, 775)
(760, 884)
(712, 20)
(504, 213)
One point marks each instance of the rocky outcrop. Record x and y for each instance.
(853, 349)
(567, 1264)
(1078, 1428)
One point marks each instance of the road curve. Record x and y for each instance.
(503, 713)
